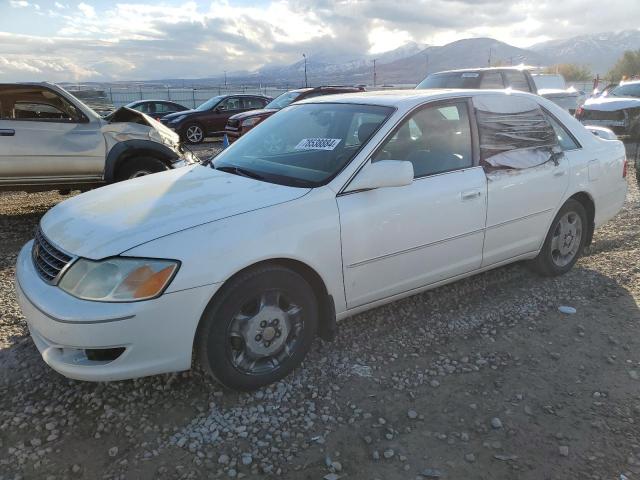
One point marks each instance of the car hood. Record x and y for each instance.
(263, 112)
(112, 219)
(610, 104)
(171, 116)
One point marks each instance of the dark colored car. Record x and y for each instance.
(211, 117)
(484, 78)
(241, 123)
(156, 108)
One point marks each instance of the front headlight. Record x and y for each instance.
(250, 122)
(177, 119)
(118, 279)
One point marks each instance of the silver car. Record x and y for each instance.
(51, 140)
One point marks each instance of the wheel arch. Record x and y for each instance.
(327, 314)
(123, 151)
(590, 207)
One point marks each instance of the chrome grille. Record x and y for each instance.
(48, 260)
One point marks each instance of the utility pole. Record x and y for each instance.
(489, 61)
(225, 79)
(374, 73)
(306, 83)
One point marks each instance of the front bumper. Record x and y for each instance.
(156, 335)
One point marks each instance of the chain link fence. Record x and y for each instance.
(189, 97)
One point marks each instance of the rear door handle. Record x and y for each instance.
(470, 194)
(7, 132)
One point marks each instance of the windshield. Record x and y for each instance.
(629, 90)
(283, 100)
(209, 104)
(304, 145)
(451, 80)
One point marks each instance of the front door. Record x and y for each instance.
(43, 139)
(398, 239)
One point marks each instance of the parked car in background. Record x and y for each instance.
(482, 78)
(516, 78)
(319, 214)
(156, 108)
(618, 108)
(211, 117)
(51, 140)
(241, 123)
(554, 87)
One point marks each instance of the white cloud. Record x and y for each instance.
(141, 39)
(87, 10)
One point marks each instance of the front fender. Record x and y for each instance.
(122, 150)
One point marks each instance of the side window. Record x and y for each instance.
(253, 103)
(162, 108)
(565, 140)
(517, 80)
(233, 103)
(435, 139)
(36, 104)
(491, 80)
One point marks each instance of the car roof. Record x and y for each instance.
(409, 98)
(483, 69)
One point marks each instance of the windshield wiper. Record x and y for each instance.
(239, 171)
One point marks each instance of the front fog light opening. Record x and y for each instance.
(103, 354)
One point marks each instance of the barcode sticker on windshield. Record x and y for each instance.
(317, 144)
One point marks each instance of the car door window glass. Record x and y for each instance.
(253, 103)
(491, 80)
(36, 104)
(565, 140)
(163, 108)
(231, 104)
(517, 80)
(435, 139)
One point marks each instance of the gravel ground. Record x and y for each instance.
(482, 379)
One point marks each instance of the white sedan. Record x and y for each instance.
(333, 206)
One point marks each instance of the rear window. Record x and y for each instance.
(517, 80)
(451, 80)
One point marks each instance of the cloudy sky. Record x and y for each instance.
(67, 40)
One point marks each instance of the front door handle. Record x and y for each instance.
(470, 194)
(559, 173)
(7, 132)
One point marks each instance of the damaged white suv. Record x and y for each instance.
(49, 139)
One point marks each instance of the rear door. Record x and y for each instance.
(45, 139)
(521, 202)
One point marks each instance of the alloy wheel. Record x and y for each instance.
(264, 333)
(194, 134)
(566, 240)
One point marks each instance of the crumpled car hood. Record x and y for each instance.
(610, 104)
(112, 219)
(127, 124)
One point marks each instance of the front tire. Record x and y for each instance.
(193, 133)
(565, 241)
(138, 167)
(258, 329)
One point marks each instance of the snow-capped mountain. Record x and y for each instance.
(599, 51)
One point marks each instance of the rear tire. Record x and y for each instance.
(139, 167)
(258, 329)
(565, 241)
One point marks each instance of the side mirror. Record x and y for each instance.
(384, 173)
